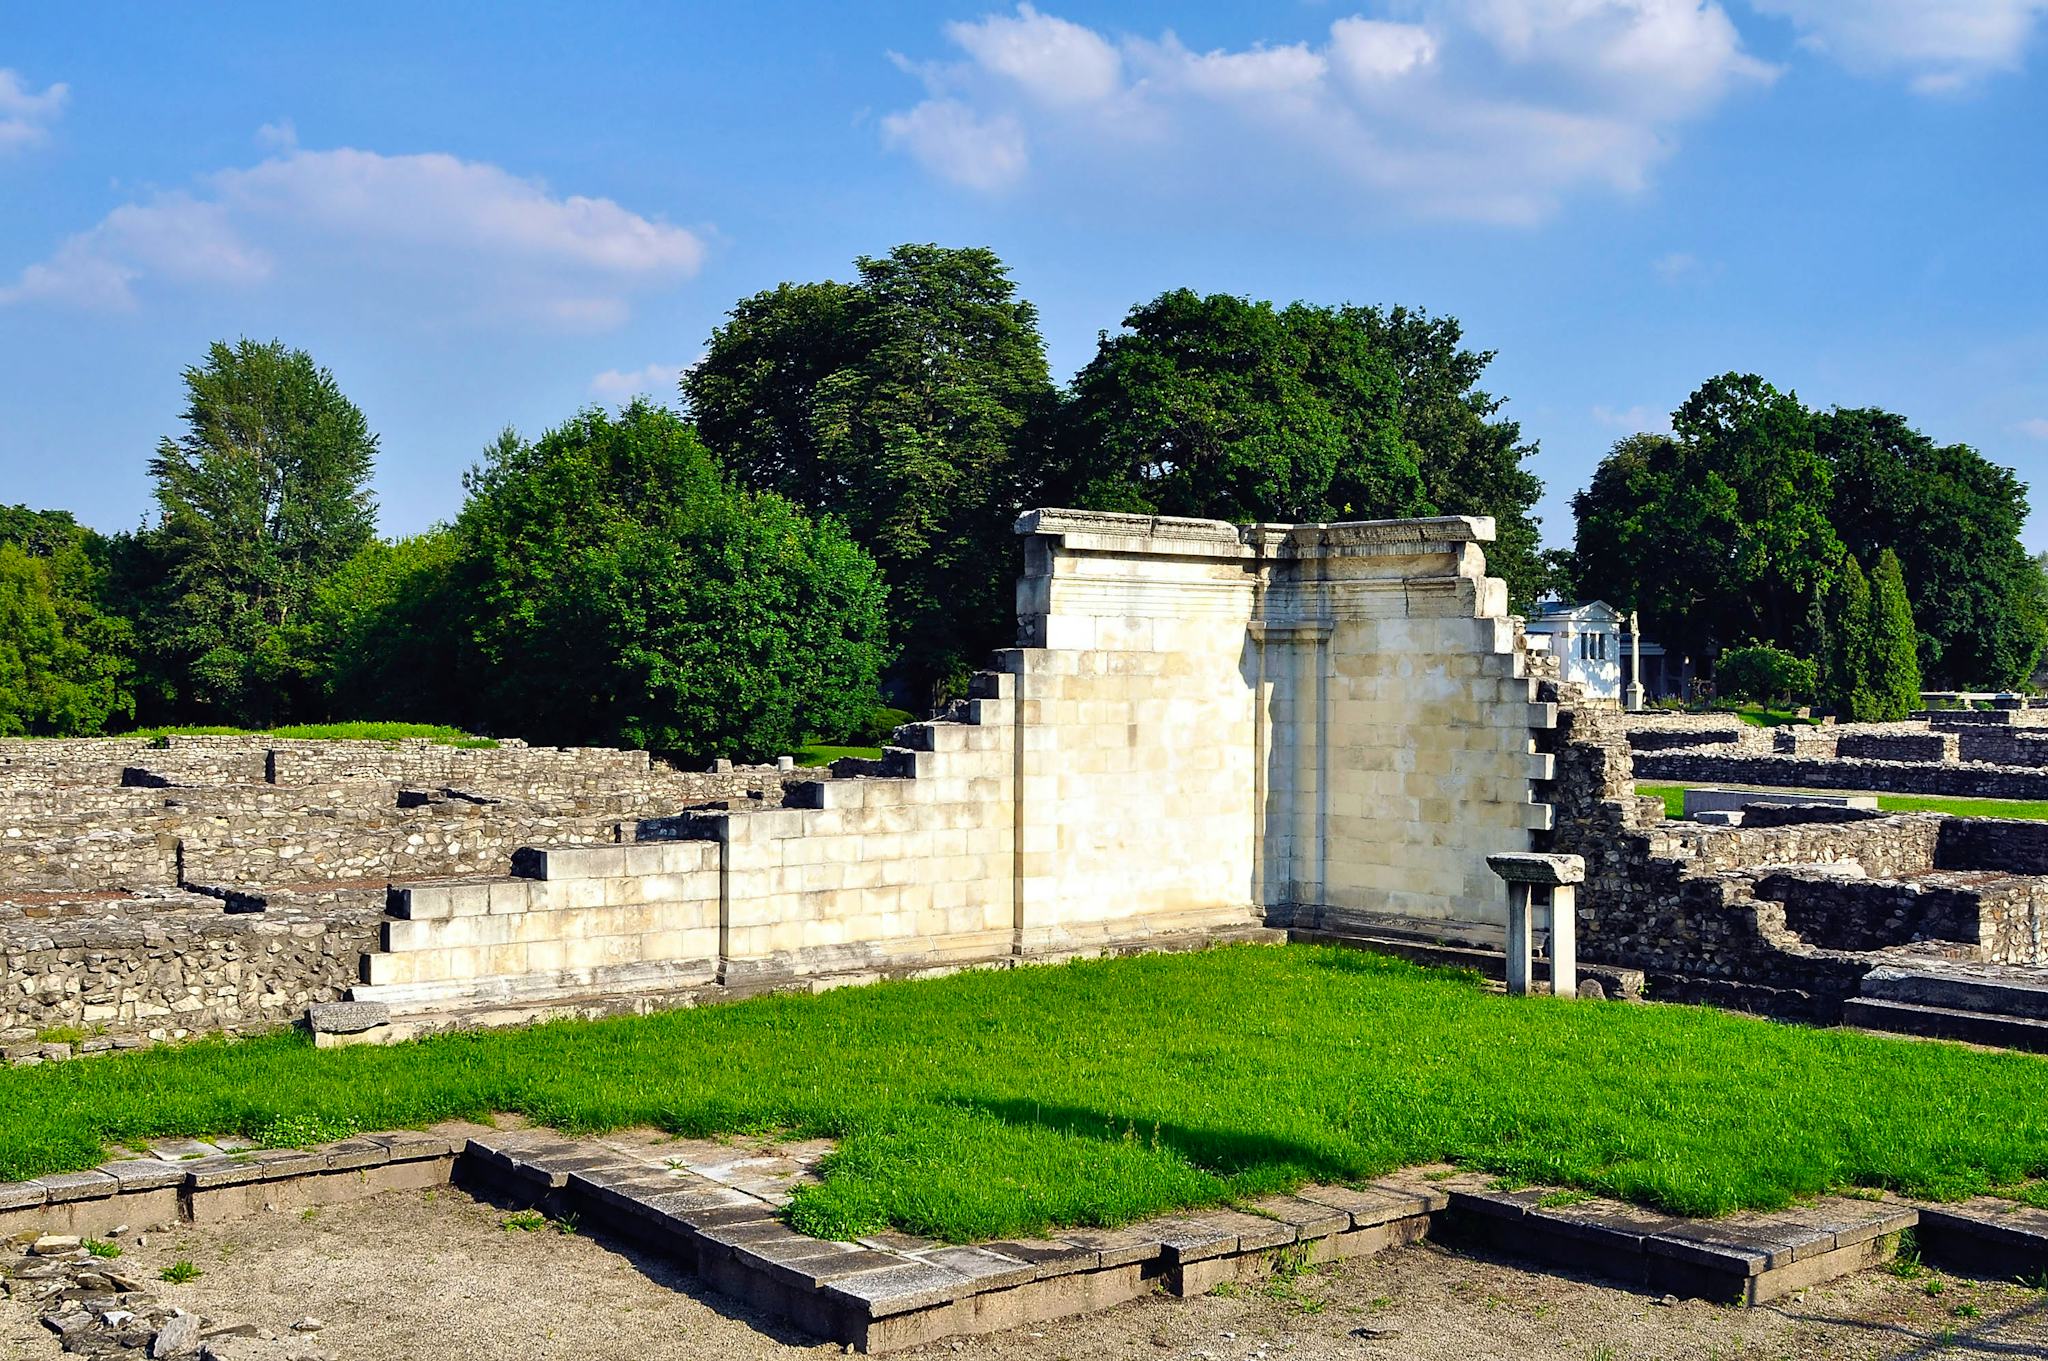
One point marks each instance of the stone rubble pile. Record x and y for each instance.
(98, 1307)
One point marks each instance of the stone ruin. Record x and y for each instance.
(1999, 753)
(1208, 732)
(153, 889)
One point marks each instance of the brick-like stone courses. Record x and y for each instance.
(171, 966)
(1701, 766)
(98, 836)
(1783, 913)
(1655, 730)
(1994, 917)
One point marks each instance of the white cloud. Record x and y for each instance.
(954, 142)
(1669, 55)
(25, 115)
(1488, 109)
(657, 380)
(1373, 50)
(1938, 45)
(1633, 419)
(1254, 72)
(465, 236)
(2037, 427)
(1050, 59)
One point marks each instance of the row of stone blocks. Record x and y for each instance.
(187, 1180)
(910, 854)
(890, 1290)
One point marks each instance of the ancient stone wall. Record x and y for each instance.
(1206, 726)
(1658, 730)
(169, 966)
(2004, 845)
(1999, 914)
(1804, 772)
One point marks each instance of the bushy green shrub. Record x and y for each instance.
(618, 589)
(1765, 674)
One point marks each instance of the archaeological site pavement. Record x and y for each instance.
(1240, 785)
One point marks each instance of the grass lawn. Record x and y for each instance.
(996, 1103)
(330, 732)
(1674, 803)
(1759, 716)
(821, 754)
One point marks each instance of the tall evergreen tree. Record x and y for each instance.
(1849, 662)
(1894, 676)
(264, 494)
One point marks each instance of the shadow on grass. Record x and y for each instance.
(1222, 1152)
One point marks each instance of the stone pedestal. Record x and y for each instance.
(1524, 872)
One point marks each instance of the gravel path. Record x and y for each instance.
(417, 1276)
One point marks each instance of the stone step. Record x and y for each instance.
(1744, 1259)
(1946, 1023)
(1960, 991)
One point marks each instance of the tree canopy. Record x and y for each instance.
(617, 588)
(1733, 525)
(262, 496)
(1223, 407)
(910, 404)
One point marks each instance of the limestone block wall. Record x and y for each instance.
(1206, 728)
(1401, 719)
(1138, 762)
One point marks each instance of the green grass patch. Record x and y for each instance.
(1674, 803)
(821, 754)
(439, 733)
(991, 1104)
(1757, 715)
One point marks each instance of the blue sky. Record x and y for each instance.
(480, 215)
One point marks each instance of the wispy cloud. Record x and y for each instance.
(1633, 419)
(25, 113)
(468, 235)
(1487, 109)
(2037, 427)
(1678, 264)
(655, 380)
(1939, 46)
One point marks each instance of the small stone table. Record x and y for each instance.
(1523, 871)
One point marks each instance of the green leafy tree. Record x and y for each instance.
(1759, 442)
(1222, 407)
(617, 588)
(1656, 534)
(1893, 681)
(910, 404)
(379, 638)
(1472, 458)
(63, 665)
(1954, 519)
(1765, 674)
(264, 494)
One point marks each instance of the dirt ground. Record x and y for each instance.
(417, 1276)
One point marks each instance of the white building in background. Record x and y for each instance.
(1593, 646)
(1587, 641)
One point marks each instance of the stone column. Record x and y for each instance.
(1523, 873)
(1635, 662)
